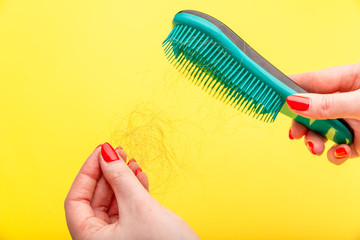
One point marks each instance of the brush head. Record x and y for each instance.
(195, 48)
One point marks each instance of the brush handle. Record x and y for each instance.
(336, 130)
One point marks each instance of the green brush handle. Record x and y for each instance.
(336, 130)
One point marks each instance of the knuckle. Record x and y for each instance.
(357, 70)
(101, 208)
(66, 202)
(118, 177)
(325, 105)
(353, 77)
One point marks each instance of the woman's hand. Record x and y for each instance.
(337, 96)
(109, 200)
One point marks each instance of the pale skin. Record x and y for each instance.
(108, 201)
(338, 96)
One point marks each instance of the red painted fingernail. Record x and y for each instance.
(290, 136)
(340, 152)
(118, 147)
(131, 160)
(98, 146)
(108, 153)
(137, 171)
(311, 147)
(299, 103)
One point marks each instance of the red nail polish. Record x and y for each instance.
(340, 152)
(137, 171)
(131, 160)
(108, 153)
(311, 147)
(290, 136)
(298, 102)
(118, 147)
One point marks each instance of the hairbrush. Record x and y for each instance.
(212, 55)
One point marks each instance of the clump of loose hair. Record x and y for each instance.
(144, 135)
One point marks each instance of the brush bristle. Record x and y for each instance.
(207, 63)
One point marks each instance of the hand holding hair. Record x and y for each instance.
(335, 94)
(109, 200)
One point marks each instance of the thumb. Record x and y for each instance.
(326, 106)
(119, 176)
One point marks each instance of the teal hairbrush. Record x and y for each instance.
(211, 54)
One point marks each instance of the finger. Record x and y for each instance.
(143, 179)
(326, 106)
(338, 154)
(141, 176)
(336, 79)
(297, 130)
(77, 203)
(315, 143)
(113, 211)
(133, 165)
(121, 152)
(123, 182)
(102, 198)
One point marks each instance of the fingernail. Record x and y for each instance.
(340, 152)
(310, 146)
(98, 146)
(108, 153)
(299, 103)
(290, 136)
(138, 170)
(118, 147)
(131, 160)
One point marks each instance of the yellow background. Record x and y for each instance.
(71, 70)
